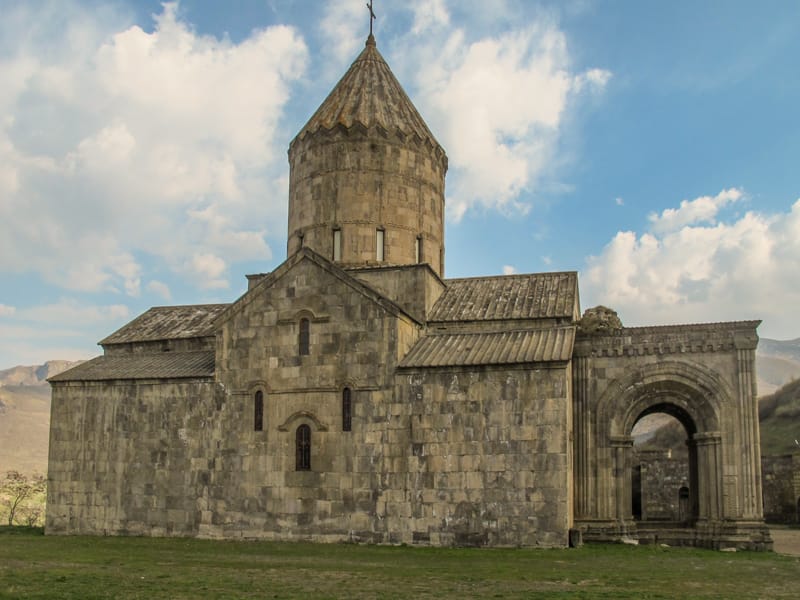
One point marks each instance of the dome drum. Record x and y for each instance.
(362, 183)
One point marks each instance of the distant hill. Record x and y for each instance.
(779, 414)
(25, 416)
(777, 363)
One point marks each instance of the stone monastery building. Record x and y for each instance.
(356, 394)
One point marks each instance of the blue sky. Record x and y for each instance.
(651, 146)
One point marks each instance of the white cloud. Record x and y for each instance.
(592, 80)
(159, 288)
(344, 27)
(210, 270)
(112, 138)
(66, 330)
(745, 268)
(68, 311)
(619, 201)
(509, 270)
(429, 14)
(497, 104)
(6, 310)
(690, 212)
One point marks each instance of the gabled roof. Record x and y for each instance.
(504, 347)
(163, 365)
(307, 253)
(369, 95)
(536, 296)
(169, 323)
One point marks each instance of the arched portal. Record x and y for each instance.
(664, 468)
(702, 375)
(691, 395)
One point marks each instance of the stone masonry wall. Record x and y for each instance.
(662, 478)
(123, 458)
(781, 488)
(354, 343)
(491, 461)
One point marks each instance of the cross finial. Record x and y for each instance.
(372, 16)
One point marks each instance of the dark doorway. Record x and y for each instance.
(662, 471)
(636, 488)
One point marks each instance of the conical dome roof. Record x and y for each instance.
(369, 95)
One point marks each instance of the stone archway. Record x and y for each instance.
(691, 394)
(703, 375)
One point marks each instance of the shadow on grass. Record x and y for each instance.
(20, 530)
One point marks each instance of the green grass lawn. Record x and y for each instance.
(37, 566)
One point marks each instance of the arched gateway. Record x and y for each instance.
(703, 375)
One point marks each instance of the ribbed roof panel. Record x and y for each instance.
(503, 347)
(169, 323)
(165, 365)
(536, 296)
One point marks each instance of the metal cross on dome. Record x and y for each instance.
(372, 16)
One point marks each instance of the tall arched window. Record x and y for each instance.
(258, 411)
(303, 448)
(379, 244)
(304, 337)
(347, 409)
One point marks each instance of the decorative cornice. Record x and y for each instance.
(669, 339)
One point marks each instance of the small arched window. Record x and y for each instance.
(379, 244)
(347, 409)
(258, 411)
(304, 337)
(303, 448)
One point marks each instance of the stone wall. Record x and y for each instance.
(415, 288)
(662, 478)
(124, 457)
(491, 460)
(781, 488)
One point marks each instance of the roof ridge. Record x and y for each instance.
(167, 306)
(509, 276)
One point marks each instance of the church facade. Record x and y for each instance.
(356, 394)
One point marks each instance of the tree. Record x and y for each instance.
(23, 497)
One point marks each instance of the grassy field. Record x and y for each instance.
(36, 566)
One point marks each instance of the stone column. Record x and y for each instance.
(582, 418)
(622, 447)
(750, 457)
(709, 470)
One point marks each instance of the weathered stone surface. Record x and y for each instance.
(781, 488)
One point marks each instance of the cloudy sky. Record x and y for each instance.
(651, 146)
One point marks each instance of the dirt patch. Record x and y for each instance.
(787, 541)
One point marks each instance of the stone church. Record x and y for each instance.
(357, 394)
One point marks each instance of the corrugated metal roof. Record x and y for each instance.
(169, 323)
(503, 347)
(165, 365)
(536, 296)
(369, 94)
